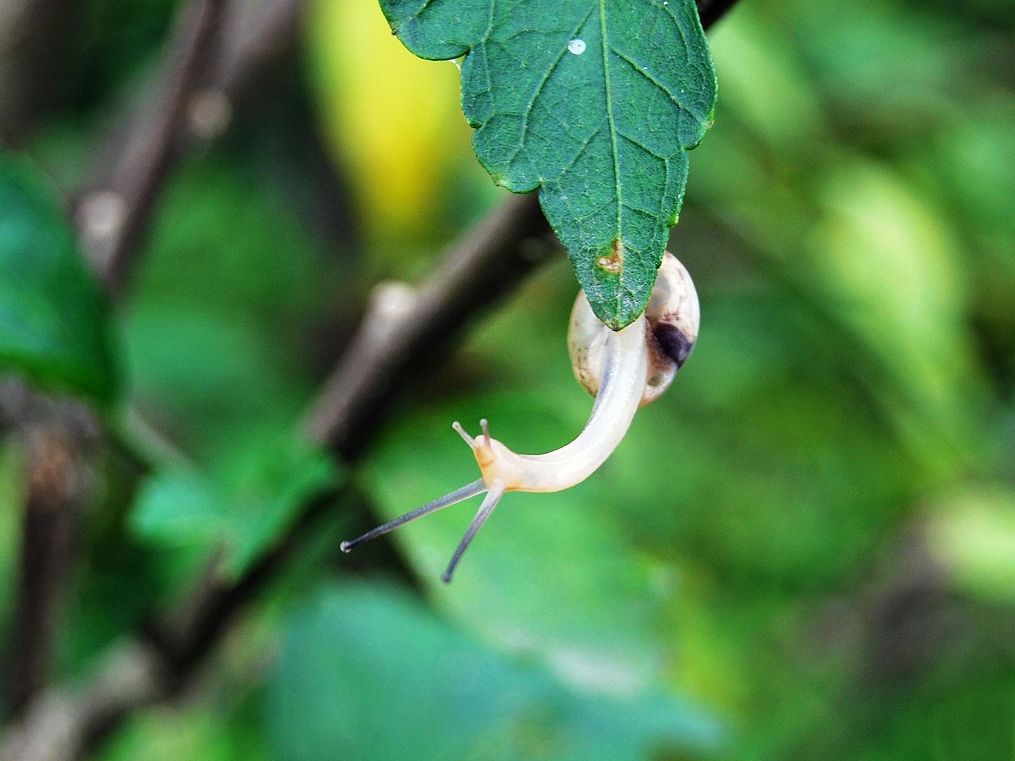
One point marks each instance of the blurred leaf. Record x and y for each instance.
(209, 376)
(973, 534)
(167, 736)
(967, 715)
(886, 268)
(268, 485)
(53, 320)
(196, 730)
(242, 509)
(779, 106)
(229, 241)
(180, 506)
(597, 106)
(900, 68)
(965, 155)
(10, 524)
(365, 673)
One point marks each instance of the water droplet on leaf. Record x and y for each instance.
(576, 46)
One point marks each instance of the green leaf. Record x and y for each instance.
(242, 509)
(596, 102)
(53, 319)
(366, 673)
(180, 506)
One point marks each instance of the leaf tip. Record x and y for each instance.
(612, 315)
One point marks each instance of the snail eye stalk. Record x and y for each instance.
(459, 495)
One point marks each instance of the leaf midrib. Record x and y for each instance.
(608, 88)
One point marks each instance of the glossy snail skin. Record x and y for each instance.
(624, 370)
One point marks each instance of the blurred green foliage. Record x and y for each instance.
(808, 542)
(455, 698)
(238, 513)
(53, 322)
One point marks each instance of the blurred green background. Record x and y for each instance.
(805, 550)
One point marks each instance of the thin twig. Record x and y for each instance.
(477, 273)
(58, 485)
(116, 215)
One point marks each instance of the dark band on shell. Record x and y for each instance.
(673, 343)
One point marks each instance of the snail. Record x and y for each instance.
(623, 370)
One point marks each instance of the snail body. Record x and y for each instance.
(623, 370)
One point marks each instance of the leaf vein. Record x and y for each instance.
(643, 71)
(540, 87)
(610, 118)
(581, 150)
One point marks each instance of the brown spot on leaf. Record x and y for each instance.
(614, 263)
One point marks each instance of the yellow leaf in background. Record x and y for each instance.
(392, 121)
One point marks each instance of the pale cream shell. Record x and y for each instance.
(671, 330)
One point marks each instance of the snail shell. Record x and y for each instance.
(671, 329)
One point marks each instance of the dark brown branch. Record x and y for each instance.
(255, 36)
(30, 30)
(406, 332)
(59, 437)
(387, 357)
(115, 215)
(57, 485)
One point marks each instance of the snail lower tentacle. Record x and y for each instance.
(624, 370)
